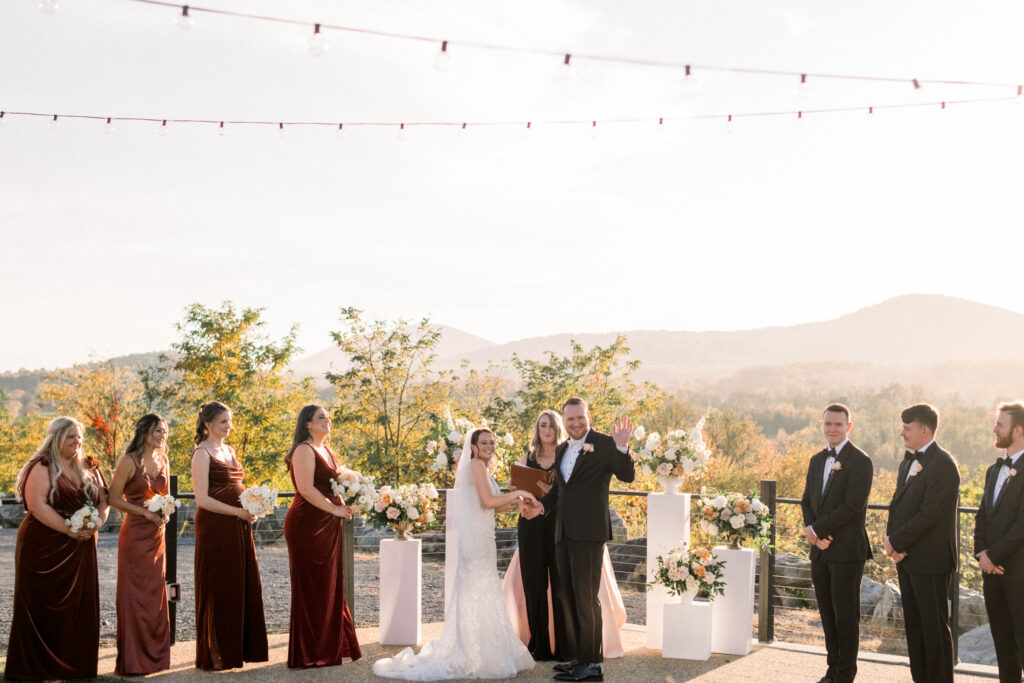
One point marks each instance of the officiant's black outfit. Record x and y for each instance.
(835, 504)
(999, 531)
(922, 523)
(579, 500)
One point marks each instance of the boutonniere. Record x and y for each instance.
(588, 448)
(1012, 472)
(837, 466)
(915, 468)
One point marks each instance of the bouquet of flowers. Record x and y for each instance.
(259, 500)
(735, 517)
(85, 517)
(446, 449)
(403, 509)
(163, 505)
(696, 570)
(676, 454)
(355, 489)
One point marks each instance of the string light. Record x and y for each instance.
(163, 129)
(593, 130)
(689, 82)
(281, 132)
(568, 70)
(801, 89)
(442, 60)
(917, 84)
(661, 124)
(220, 129)
(185, 21)
(728, 125)
(318, 45)
(108, 128)
(54, 123)
(402, 134)
(2, 119)
(528, 131)
(49, 6)
(342, 133)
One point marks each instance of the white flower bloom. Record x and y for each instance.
(751, 518)
(708, 527)
(688, 466)
(646, 470)
(509, 441)
(737, 521)
(639, 433)
(756, 505)
(431, 447)
(664, 469)
(454, 436)
(719, 502)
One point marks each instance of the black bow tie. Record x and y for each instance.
(910, 455)
(830, 452)
(1008, 461)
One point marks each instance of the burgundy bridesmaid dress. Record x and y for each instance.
(230, 627)
(143, 625)
(55, 633)
(320, 632)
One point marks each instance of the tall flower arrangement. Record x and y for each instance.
(678, 453)
(445, 448)
(735, 517)
(684, 569)
(403, 509)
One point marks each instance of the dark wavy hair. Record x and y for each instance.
(208, 412)
(301, 429)
(143, 428)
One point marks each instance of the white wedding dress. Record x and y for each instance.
(477, 640)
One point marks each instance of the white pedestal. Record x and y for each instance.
(401, 595)
(686, 629)
(668, 525)
(733, 621)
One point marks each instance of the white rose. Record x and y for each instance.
(756, 505)
(646, 470)
(708, 527)
(670, 454)
(441, 461)
(639, 433)
(688, 466)
(454, 436)
(751, 518)
(719, 502)
(664, 469)
(738, 521)
(509, 441)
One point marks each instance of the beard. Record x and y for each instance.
(1004, 442)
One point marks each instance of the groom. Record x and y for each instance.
(584, 466)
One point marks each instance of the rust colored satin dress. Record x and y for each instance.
(55, 633)
(230, 627)
(320, 632)
(143, 626)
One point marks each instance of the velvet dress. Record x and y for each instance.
(55, 632)
(230, 626)
(320, 631)
(143, 626)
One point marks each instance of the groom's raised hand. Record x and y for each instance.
(621, 431)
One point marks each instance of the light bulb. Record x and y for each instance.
(661, 124)
(568, 70)
(402, 134)
(163, 129)
(108, 128)
(2, 119)
(342, 133)
(802, 90)
(318, 45)
(49, 6)
(728, 125)
(528, 131)
(442, 60)
(185, 22)
(281, 132)
(593, 130)
(54, 123)
(220, 129)
(690, 84)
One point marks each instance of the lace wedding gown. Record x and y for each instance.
(477, 640)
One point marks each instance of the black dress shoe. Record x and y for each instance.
(566, 667)
(582, 672)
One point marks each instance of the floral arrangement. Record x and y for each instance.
(446, 448)
(355, 489)
(403, 509)
(736, 517)
(697, 570)
(676, 454)
(85, 517)
(259, 500)
(164, 505)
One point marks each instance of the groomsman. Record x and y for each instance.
(999, 543)
(834, 504)
(921, 539)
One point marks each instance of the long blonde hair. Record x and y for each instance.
(56, 432)
(556, 423)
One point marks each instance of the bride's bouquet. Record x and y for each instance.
(736, 517)
(259, 500)
(85, 517)
(355, 489)
(163, 505)
(676, 454)
(696, 570)
(403, 509)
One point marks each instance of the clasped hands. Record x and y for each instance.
(891, 552)
(819, 543)
(987, 565)
(529, 506)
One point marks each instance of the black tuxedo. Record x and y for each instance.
(922, 523)
(999, 530)
(839, 512)
(582, 526)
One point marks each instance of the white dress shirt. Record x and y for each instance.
(572, 453)
(1004, 474)
(829, 462)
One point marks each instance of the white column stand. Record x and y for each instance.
(668, 525)
(401, 593)
(686, 629)
(733, 621)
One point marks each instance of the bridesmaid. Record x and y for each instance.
(230, 627)
(143, 626)
(320, 632)
(55, 633)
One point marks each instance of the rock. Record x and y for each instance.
(11, 515)
(619, 532)
(972, 610)
(793, 571)
(890, 604)
(976, 646)
(870, 593)
(114, 520)
(795, 598)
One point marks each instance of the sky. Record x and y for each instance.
(106, 238)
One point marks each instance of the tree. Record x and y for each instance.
(223, 355)
(602, 376)
(388, 393)
(106, 398)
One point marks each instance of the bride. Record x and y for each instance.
(477, 640)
